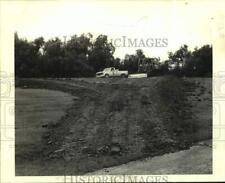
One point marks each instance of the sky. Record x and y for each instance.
(179, 22)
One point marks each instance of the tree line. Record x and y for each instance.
(83, 56)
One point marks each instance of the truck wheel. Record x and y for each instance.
(106, 76)
(123, 76)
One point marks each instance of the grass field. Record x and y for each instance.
(108, 121)
(36, 108)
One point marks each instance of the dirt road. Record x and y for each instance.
(196, 159)
(115, 121)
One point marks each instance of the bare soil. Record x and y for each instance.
(196, 160)
(114, 121)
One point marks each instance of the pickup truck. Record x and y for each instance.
(111, 72)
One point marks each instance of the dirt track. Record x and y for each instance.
(196, 159)
(114, 121)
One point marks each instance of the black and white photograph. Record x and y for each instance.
(114, 88)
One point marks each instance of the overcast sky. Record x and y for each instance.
(181, 22)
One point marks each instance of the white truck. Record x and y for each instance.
(111, 72)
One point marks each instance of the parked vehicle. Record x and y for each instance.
(111, 72)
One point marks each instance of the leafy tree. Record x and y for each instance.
(200, 62)
(131, 63)
(79, 44)
(26, 57)
(38, 44)
(117, 63)
(76, 56)
(53, 57)
(101, 54)
(141, 60)
(180, 56)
